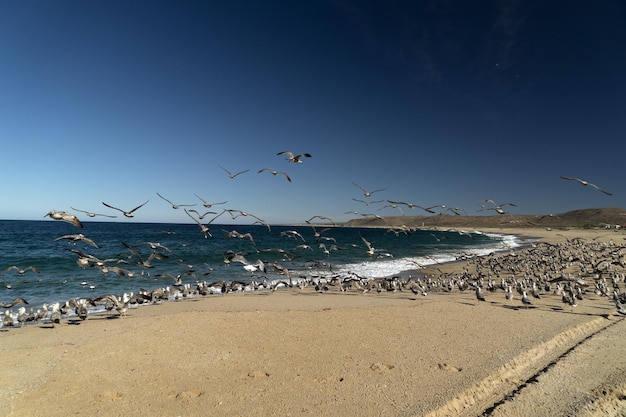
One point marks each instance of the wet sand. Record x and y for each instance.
(298, 352)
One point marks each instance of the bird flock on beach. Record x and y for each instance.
(571, 271)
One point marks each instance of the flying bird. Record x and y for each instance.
(368, 193)
(90, 214)
(586, 183)
(275, 173)
(65, 216)
(294, 158)
(128, 214)
(77, 238)
(175, 206)
(207, 204)
(231, 175)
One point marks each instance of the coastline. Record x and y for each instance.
(299, 352)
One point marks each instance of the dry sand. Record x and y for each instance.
(297, 352)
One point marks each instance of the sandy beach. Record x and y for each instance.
(298, 352)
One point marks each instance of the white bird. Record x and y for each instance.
(231, 175)
(367, 193)
(294, 158)
(585, 183)
(129, 213)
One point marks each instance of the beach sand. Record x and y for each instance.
(298, 352)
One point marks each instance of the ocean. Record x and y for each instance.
(46, 246)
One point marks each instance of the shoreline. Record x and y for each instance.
(300, 352)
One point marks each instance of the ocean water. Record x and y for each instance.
(61, 278)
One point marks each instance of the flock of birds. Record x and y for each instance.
(542, 270)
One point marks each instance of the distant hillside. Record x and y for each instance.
(585, 218)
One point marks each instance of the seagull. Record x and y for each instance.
(367, 203)
(90, 214)
(275, 173)
(17, 300)
(77, 238)
(231, 175)
(21, 271)
(479, 294)
(65, 216)
(367, 193)
(204, 229)
(370, 249)
(585, 183)
(175, 206)
(497, 207)
(207, 204)
(202, 216)
(294, 158)
(128, 214)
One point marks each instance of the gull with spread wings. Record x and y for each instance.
(585, 183)
(129, 213)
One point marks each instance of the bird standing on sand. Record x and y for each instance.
(294, 158)
(525, 299)
(128, 214)
(479, 294)
(585, 183)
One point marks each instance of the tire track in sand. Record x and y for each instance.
(516, 373)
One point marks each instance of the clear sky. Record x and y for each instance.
(436, 102)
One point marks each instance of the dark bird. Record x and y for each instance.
(128, 214)
(15, 301)
(175, 206)
(367, 193)
(90, 214)
(276, 173)
(586, 183)
(294, 158)
(231, 175)
(64, 216)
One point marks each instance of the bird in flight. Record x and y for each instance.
(586, 183)
(275, 173)
(231, 175)
(207, 204)
(175, 206)
(367, 193)
(65, 216)
(294, 158)
(90, 214)
(128, 214)
(497, 207)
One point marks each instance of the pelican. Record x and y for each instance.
(175, 206)
(276, 173)
(367, 193)
(90, 214)
(128, 214)
(77, 238)
(585, 183)
(231, 175)
(64, 216)
(294, 158)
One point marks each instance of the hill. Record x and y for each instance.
(585, 218)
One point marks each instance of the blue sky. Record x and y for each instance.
(440, 102)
